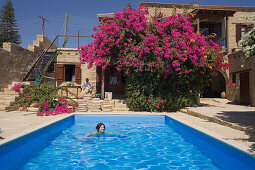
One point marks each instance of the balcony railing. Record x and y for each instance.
(221, 41)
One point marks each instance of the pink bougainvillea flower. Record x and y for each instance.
(162, 101)
(230, 84)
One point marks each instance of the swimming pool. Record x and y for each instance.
(142, 142)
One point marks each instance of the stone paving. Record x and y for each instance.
(213, 117)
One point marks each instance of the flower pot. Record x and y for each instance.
(223, 94)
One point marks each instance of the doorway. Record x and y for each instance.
(244, 88)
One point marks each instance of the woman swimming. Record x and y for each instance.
(100, 130)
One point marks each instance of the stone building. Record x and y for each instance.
(227, 22)
(242, 79)
(69, 69)
(230, 24)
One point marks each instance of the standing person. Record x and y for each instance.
(86, 88)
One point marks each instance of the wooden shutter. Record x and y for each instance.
(249, 27)
(77, 73)
(238, 32)
(60, 72)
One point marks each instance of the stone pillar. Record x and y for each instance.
(108, 96)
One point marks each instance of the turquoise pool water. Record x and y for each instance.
(142, 142)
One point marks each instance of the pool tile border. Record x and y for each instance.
(232, 143)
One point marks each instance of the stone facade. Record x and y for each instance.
(71, 56)
(239, 66)
(16, 60)
(239, 17)
(229, 21)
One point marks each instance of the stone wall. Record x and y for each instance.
(239, 65)
(16, 60)
(238, 17)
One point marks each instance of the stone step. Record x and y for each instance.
(120, 105)
(83, 105)
(9, 91)
(95, 110)
(81, 110)
(6, 102)
(108, 102)
(2, 107)
(8, 97)
(107, 110)
(107, 107)
(120, 109)
(94, 106)
(119, 101)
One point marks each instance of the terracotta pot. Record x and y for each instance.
(223, 94)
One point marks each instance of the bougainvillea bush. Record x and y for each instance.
(46, 98)
(18, 86)
(165, 63)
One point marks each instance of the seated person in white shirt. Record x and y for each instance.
(86, 88)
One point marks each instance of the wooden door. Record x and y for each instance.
(244, 88)
(114, 82)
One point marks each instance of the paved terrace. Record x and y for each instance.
(233, 124)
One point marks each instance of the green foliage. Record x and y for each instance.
(8, 25)
(248, 44)
(65, 42)
(39, 94)
(154, 92)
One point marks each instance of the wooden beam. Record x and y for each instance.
(227, 39)
(198, 25)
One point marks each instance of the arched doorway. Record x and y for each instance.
(216, 86)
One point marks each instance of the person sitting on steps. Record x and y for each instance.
(86, 88)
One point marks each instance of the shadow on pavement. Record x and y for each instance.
(241, 118)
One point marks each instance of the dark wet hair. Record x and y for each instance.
(99, 125)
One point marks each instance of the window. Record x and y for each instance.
(241, 30)
(68, 73)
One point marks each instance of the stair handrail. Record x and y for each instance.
(38, 59)
(45, 68)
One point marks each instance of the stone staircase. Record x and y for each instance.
(7, 97)
(96, 105)
(120, 105)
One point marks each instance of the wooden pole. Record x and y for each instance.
(78, 38)
(66, 18)
(43, 22)
(227, 42)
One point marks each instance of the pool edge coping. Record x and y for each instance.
(234, 144)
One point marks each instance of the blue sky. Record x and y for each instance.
(82, 15)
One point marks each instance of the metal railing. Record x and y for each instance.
(221, 41)
(42, 63)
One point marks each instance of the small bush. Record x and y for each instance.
(46, 99)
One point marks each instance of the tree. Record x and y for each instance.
(166, 64)
(8, 26)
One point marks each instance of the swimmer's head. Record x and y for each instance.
(100, 127)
